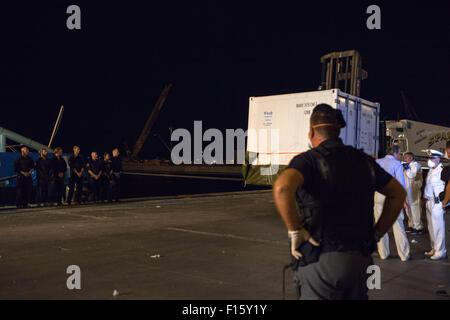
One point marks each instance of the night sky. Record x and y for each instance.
(109, 74)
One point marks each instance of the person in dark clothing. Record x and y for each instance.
(59, 168)
(24, 166)
(331, 227)
(94, 168)
(116, 165)
(105, 193)
(76, 164)
(43, 171)
(445, 176)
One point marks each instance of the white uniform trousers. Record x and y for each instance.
(436, 227)
(414, 203)
(401, 240)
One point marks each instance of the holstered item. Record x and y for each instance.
(310, 254)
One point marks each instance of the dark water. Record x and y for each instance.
(144, 186)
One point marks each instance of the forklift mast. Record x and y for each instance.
(342, 70)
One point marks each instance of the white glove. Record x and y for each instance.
(297, 238)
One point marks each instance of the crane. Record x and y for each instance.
(150, 121)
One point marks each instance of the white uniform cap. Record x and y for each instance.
(433, 153)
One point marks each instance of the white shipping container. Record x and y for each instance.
(289, 114)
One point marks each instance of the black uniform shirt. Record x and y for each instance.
(23, 164)
(76, 163)
(349, 207)
(58, 166)
(445, 174)
(94, 166)
(43, 168)
(107, 166)
(116, 164)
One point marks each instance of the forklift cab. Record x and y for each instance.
(402, 143)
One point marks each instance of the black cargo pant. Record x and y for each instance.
(57, 190)
(105, 188)
(115, 186)
(336, 276)
(42, 191)
(24, 190)
(75, 186)
(94, 189)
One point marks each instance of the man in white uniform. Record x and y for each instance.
(391, 163)
(413, 183)
(435, 212)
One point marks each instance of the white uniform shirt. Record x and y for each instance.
(393, 167)
(434, 184)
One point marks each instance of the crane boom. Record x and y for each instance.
(151, 121)
(56, 127)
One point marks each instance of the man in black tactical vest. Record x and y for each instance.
(76, 164)
(43, 171)
(59, 168)
(445, 176)
(94, 168)
(24, 166)
(333, 234)
(116, 164)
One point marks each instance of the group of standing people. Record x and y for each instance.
(102, 177)
(409, 175)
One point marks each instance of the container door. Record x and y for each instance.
(367, 127)
(349, 111)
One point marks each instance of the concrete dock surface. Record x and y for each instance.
(216, 246)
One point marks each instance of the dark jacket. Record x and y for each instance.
(23, 164)
(58, 166)
(107, 167)
(77, 163)
(95, 166)
(43, 168)
(116, 164)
